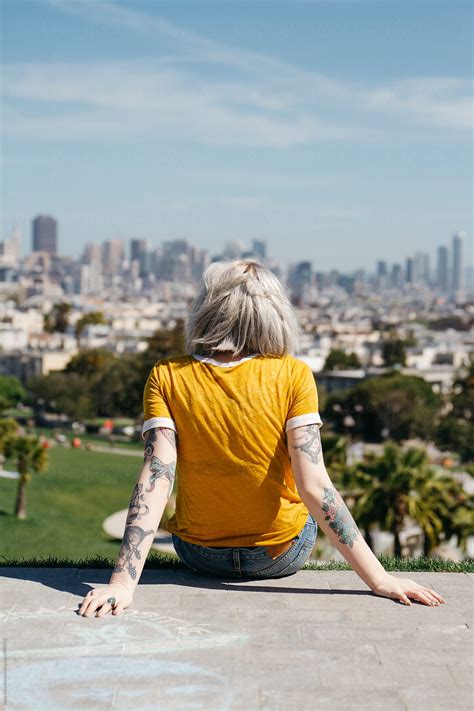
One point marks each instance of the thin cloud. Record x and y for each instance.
(269, 103)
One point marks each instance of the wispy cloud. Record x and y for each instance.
(181, 94)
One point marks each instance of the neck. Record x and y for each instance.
(226, 356)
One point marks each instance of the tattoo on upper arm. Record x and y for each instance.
(170, 435)
(133, 537)
(308, 441)
(157, 466)
(137, 508)
(152, 436)
(150, 440)
(160, 469)
(340, 517)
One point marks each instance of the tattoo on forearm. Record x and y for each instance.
(308, 440)
(132, 540)
(340, 517)
(160, 469)
(137, 508)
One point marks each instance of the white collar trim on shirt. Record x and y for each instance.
(228, 364)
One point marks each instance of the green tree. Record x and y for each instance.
(89, 319)
(30, 457)
(456, 430)
(11, 391)
(98, 383)
(340, 360)
(391, 406)
(393, 352)
(63, 392)
(400, 484)
(58, 318)
(90, 362)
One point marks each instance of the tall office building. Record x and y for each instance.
(457, 278)
(44, 234)
(409, 270)
(300, 281)
(112, 256)
(92, 254)
(139, 253)
(396, 275)
(421, 268)
(442, 273)
(137, 248)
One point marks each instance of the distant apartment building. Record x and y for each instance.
(10, 249)
(44, 234)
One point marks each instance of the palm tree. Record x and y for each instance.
(8, 427)
(30, 456)
(401, 483)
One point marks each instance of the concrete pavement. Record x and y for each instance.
(314, 640)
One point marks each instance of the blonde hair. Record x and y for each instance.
(241, 305)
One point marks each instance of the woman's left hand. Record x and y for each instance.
(403, 589)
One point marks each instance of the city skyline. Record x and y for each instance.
(338, 142)
(447, 270)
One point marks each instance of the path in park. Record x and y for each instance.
(313, 640)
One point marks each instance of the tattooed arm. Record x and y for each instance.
(147, 503)
(331, 513)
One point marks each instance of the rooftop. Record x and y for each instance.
(313, 640)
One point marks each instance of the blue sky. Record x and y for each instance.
(338, 131)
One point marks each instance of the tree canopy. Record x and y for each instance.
(391, 405)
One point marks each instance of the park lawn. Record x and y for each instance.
(67, 504)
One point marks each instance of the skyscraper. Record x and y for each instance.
(112, 256)
(421, 267)
(457, 278)
(137, 248)
(409, 270)
(44, 234)
(442, 273)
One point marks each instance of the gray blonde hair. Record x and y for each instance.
(241, 305)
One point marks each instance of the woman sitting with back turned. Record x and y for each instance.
(238, 420)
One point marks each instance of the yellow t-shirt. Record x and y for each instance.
(235, 486)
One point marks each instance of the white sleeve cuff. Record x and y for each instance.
(312, 418)
(158, 422)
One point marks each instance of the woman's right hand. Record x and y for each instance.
(96, 600)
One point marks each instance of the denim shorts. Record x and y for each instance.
(253, 562)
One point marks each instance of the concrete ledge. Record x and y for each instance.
(313, 640)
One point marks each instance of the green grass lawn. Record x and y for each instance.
(66, 505)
